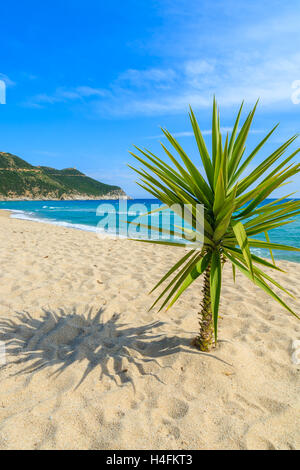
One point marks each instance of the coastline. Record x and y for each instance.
(80, 197)
(76, 306)
(5, 213)
(25, 216)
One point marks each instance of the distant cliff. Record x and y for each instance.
(20, 180)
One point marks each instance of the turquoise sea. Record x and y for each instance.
(110, 218)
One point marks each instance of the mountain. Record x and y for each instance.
(20, 180)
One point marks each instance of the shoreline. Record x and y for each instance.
(105, 235)
(17, 215)
(22, 215)
(5, 212)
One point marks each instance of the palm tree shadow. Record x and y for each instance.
(62, 339)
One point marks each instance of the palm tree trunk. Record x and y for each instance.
(205, 339)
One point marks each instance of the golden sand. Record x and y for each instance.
(88, 367)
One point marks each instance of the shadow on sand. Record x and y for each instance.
(62, 339)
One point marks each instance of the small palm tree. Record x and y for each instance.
(235, 210)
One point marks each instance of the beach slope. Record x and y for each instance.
(88, 367)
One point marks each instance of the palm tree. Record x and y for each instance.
(235, 210)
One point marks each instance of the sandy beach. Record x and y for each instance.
(88, 367)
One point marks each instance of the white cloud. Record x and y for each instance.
(153, 77)
(169, 91)
(223, 130)
(198, 67)
(272, 27)
(63, 95)
(87, 91)
(234, 79)
(254, 57)
(203, 56)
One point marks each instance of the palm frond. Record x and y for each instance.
(235, 209)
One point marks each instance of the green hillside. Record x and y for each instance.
(7, 160)
(20, 179)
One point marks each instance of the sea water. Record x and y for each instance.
(83, 215)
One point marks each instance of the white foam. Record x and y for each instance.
(18, 214)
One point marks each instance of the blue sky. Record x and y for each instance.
(86, 80)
